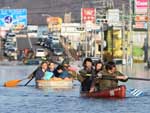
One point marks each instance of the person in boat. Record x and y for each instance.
(40, 72)
(33, 74)
(51, 71)
(110, 76)
(62, 73)
(99, 67)
(86, 74)
(72, 74)
(52, 67)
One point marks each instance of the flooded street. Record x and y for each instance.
(32, 100)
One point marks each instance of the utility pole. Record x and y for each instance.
(82, 24)
(124, 57)
(102, 40)
(112, 39)
(130, 30)
(84, 35)
(148, 28)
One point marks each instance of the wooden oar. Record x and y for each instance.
(31, 77)
(130, 78)
(13, 83)
(134, 78)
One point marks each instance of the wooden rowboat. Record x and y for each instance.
(56, 83)
(118, 92)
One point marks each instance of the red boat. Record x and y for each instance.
(118, 92)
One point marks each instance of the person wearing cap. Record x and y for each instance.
(86, 74)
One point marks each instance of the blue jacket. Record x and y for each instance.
(39, 74)
(64, 74)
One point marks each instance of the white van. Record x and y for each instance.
(40, 52)
(32, 31)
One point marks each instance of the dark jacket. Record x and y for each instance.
(64, 74)
(86, 77)
(39, 74)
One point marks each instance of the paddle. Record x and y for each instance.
(106, 77)
(134, 78)
(13, 83)
(31, 76)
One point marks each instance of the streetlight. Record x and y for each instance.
(131, 36)
(5, 7)
(47, 15)
(148, 28)
(47, 19)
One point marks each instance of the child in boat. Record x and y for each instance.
(113, 76)
(40, 72)
(86, 74)
(51, 71)
(62, 73)
(99, 66)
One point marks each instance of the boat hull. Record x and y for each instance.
(118, 92)
(54, 83)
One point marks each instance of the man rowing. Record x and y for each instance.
(108, 78)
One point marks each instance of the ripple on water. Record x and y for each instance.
(32, 100)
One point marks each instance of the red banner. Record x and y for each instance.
(88, 14)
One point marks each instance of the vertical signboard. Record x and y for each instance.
(140, 14)
(88, 15)
(141, 6)
(113, 16)
(13, 18)
(54, 23)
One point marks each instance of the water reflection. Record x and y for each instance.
(138, 70)
(30, 99)
(12, 72)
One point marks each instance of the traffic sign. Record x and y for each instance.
(8, 19)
